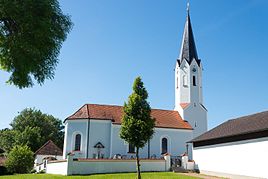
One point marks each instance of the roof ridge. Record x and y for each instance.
(104, 104)
(247, 115)
(123, 106)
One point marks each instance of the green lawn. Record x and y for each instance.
(149, 175)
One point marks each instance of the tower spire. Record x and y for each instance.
(188, 50)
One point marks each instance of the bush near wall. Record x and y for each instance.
(20, 160)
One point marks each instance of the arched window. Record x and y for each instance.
(77, 144)
(164, 145)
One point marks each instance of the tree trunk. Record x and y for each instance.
(138, 164)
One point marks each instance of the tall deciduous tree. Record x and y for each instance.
(31, 35)
(138, 125)
(7, 139)
(34, 128)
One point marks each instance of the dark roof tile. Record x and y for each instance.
(240, 126)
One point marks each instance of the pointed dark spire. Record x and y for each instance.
(188, 49)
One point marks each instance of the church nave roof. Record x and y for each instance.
(164, 118)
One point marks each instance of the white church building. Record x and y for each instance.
(92, 132)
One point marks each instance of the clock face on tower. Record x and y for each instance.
(194, 69)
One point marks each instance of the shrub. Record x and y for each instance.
(20, 160)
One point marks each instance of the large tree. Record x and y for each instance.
(138, 125)
(34, 128)
(7, 139)
(31, 35)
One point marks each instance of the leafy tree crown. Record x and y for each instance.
(138, 125)
(31, 35)
(32, 128)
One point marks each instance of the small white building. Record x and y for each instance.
(48, 151)
(93, 130)
(238, 148)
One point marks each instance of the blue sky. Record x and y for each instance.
(112, 42)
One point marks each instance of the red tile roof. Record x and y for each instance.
(164, 118)
(184, 105)
(49, 148)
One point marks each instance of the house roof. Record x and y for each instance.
(164, 118)
(246, 127)
(49, 148)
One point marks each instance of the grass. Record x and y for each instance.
(149, 175)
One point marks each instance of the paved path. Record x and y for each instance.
(201, 176)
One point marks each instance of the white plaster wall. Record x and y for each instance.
(196, 115)
(39, 158)
(88, 167)
(182, 91)
(188, 93)
(108, 134)
(72, 128)
(177, 139)
(119, 146)
(195, 95)
(100, 131)
(247, 158)
(60, 168)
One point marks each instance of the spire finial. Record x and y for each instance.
(188, 6)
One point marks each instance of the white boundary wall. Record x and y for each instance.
(248, 158)
(60, 168)
(82, 167)
(109, 166)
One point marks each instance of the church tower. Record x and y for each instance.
(188, 82)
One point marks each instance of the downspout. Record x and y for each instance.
(88, 128)
(149, 149)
